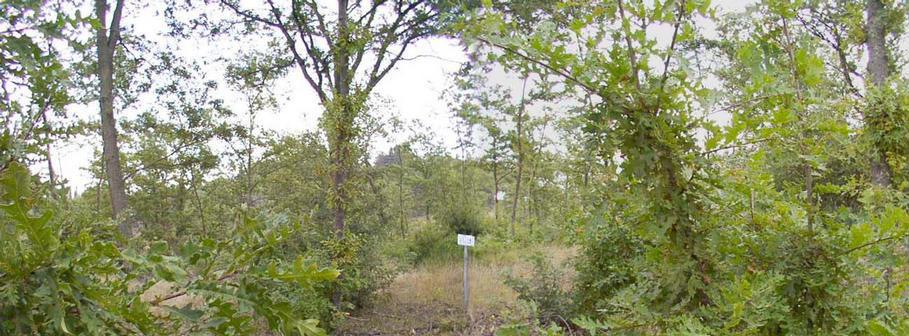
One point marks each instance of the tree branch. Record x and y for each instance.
(175, 295)
(752, 142)
(115, 26)
(391, 34)
(632, 58)
(675, 34)
(292, 45)
(873, 242)
(590, 89)
(247, 15)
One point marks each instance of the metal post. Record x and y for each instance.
(465, 278)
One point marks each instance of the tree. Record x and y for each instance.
(480, 104)
(643, 120)
(878, 71)
(255, 78)
(518, 144)
(343, 56)
(33, 76)
(108, 39)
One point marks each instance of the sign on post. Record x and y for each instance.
(466, 240)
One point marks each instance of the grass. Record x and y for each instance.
(428, 298)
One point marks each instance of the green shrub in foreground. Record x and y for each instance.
(59, 277)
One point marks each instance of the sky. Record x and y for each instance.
(413, 91)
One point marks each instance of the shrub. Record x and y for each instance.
(606, 266)
(433, 243)
(544, 288)
(62, 276)
(464, 221)
(364, 272)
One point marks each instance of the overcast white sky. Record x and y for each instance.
(414, 89)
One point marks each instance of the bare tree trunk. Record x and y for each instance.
(495, 181)
(878, 70)
(195, 186)
(98, 190)
(532, 193)
(51, 175)
(249, 140)
(106, 46)
(520, 165)
(401, 192)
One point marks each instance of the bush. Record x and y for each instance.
(433, 243)
(606, 266)
(59, 275)
(463, 221)
(364, 272)
(544, 288)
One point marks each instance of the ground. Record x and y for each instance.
(427, 300)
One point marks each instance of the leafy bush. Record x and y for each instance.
(432, 243)
(606, 266)
(544, 288)
(62, 276)
(463, 220)
(364, 271)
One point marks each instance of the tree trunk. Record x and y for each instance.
(249, 161)
(106, 46)
(341, 150)
(195, 189)
(98, 189)
(533, 207)
(520, 163)
(463, 177)
(401, 192)
(340, 154)
(495, 181)
(878, 71)
(51, 175)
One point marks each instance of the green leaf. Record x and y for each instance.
(186, 312)
(309, 327)
(158, 247)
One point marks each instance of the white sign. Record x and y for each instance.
(466, 240)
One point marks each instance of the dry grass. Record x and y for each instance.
(428, 299)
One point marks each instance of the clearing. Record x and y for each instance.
(427, 300)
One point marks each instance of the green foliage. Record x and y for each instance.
(364, 272)
(543, 287)
(58, 286)
(34, 79)
(690, 237)
(462, 220)
(887, 118)
(717, 184)
(63, 277)
(607, 266)
(525, 329)
(432, 243)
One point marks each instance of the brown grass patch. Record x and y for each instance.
(428, 299)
